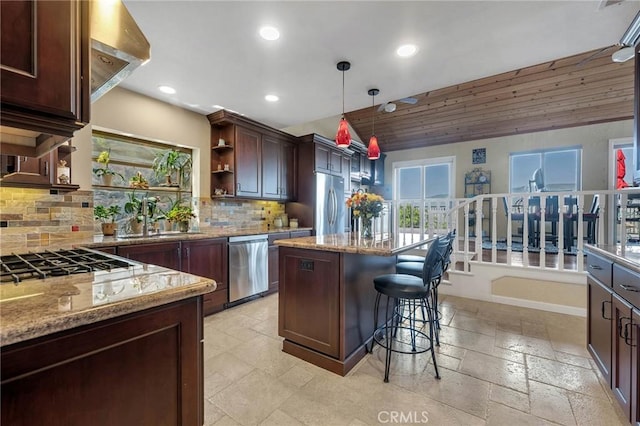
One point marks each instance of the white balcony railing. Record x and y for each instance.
(540, 225)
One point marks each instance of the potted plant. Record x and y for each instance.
(133, 207)
(105, 172)
(138, 181)
(181, 215)
(168, 161)
(104, 214)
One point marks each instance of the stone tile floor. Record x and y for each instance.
(500, 365)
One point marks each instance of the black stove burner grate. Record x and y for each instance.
(20, 267)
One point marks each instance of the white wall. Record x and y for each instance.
(594, 140)
(128, 112)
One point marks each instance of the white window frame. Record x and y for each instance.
(577, 148)
(397, 165)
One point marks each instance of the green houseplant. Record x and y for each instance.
(133, 207)
(181, 215)
(105, 172)
(108, 217)
(169, 161)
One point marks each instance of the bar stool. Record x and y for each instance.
(445, 249)
(406, 291)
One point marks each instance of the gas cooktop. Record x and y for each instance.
(19, 267)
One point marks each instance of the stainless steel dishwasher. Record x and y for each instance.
(248, 256)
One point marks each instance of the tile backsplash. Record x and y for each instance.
(238, 213)
(38, 216)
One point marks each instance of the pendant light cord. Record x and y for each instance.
(342, 93)
(373, 114)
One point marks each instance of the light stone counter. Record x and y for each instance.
(380, 245)
(98, 241)
(36, 308)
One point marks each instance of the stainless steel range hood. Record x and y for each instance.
(117, 46)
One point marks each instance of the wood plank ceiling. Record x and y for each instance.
(574, 91)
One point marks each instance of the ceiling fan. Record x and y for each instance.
(391, 106)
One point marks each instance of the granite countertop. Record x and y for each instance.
(35, 308)
(98, 241)
(629, 258)
(380, 245)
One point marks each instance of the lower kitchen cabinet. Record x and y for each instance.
(613, 319)
(599, 325)
(273, 260)
(208, 258)
(310, 302)
(161, 254)
(109, 250)
(144, 368)
(621, 353)
(274, 270)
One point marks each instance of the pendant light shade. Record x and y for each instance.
(373, 151)
(343, 137)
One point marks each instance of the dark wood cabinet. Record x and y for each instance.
(634, 342)
(599, 308)
(44, 80)
(273, 266)
(613, 320)
(161, 254)
(330, 160)
(109, 250)
(262, 160)
(140, 369)
(621, 353)
(309, 314)
(208, 258)
(277, 169)
(248, 168)
(20, 169)
(346, 173)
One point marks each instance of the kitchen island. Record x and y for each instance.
(118, 346)
(326, 295)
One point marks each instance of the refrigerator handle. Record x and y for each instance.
(329, 207)
(332, 216)
(335, 208)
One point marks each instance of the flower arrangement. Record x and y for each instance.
(365, 204)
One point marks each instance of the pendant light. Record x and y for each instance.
(373, 152)
(343, 137)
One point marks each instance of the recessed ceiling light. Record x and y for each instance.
(407, 50)
(269, 33)
(272, 98)
(166, 89)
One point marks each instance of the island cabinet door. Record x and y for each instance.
(599, 326)
(310, 299)
(635, 368)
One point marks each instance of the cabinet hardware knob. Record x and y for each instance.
(595, 267)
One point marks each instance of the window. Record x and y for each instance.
(422, 190)
(130, 157)
(561, 170)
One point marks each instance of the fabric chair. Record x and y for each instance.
(404, 292)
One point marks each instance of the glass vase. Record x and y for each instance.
(366, 227)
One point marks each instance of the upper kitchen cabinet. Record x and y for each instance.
(278, 169)
(44, 77)
(250, 159)
(327, 158)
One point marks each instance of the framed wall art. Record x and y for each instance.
(479, 156)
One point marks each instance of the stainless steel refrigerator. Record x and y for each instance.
(330, 214)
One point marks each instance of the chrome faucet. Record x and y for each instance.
(144, 211)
